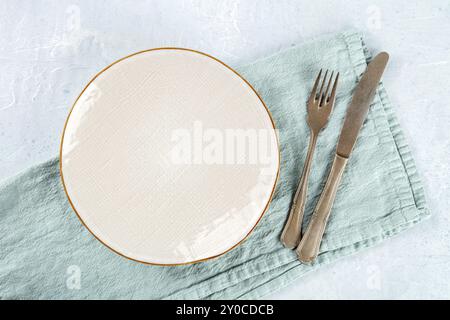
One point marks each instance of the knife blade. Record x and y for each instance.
(308, 249)
(359, 106)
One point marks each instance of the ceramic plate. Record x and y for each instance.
(169, 157)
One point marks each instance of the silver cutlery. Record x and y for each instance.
(357, 111)
(319, 106)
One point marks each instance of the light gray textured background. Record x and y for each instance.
(50, 49)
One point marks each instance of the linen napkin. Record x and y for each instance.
(46, 253)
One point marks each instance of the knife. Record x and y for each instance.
(364, 93)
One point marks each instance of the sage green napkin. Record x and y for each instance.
(45, 252)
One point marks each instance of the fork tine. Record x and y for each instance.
(316, 83)
(325, 94)
(321, 88)
(333, 91)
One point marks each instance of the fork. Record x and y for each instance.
(319, 106)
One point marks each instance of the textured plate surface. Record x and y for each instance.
(169, 157)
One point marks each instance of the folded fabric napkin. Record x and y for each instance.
(46, 252)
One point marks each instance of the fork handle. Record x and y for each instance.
(308, 248)
(291, 234)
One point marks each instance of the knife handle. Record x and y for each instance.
(308, 248)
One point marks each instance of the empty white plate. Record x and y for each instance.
(169, 157)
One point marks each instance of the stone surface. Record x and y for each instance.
(49, 50)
